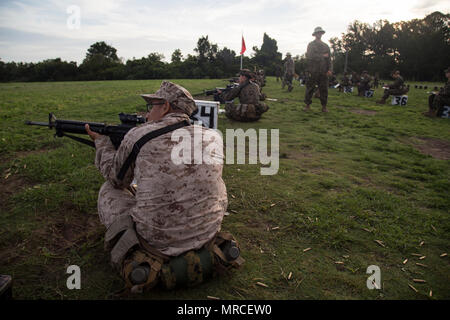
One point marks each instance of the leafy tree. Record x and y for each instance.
(268, 56)
(103, 49)
(177, 56)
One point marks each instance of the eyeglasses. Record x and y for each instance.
(151, 104)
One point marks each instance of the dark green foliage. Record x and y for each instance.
(418, 48)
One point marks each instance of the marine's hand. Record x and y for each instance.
(325, 55)
(92, 134)
(329, 73)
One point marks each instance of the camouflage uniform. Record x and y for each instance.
(397, 88)
(376, 80)
(364, 84)
(345, 82)
(317, 67)
(278, 72)
(177, 207)
(261, 78)
(250, 107)
(437, 101)
(289, 70)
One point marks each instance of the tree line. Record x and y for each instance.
(418, 48)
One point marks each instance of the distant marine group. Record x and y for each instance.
(318, 78)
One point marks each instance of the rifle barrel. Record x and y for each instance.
(34, 123)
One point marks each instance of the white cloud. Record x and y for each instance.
(136, 28)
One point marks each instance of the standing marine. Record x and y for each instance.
(279, 72)
(364, 83)
(318, 61)
(289, 70)
(250, 107)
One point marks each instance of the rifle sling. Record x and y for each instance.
(143, 140)
(87, 142)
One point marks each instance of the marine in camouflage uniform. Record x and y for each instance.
(355, 79)
(319, 68)
(376, 80)
(364, 83)
(437, 101)
(176, 207)
(278, 72)
(289, 70)
(345, 82)
(397, 88)
(250, 107)
(260, 79)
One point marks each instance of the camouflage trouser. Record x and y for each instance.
(245, 112)
(113, 203)
(288, 79)
(436, 101)
(362, 89)
(321, 80)
(393, 92)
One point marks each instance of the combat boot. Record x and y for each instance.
(307, 108)
(5, 287)
(382, 101)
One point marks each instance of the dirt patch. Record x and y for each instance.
(439, 149)
(54, 235)
(23, 154)
(364, 112)
(12, 185)
(295, 155)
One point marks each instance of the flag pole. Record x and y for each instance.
(242, 46)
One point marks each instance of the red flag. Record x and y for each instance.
(243, 46)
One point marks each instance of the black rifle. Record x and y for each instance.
(115, 133)
(215, 92)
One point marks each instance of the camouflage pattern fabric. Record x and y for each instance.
(399, 84)
(245, 112)
(317, 67)
(364, 84)
(321, 80)
(289, 70)
(189, 269)
(316, 62)
(176, 95)
(345, 82)
(376, 81)
(176, 208)
(250, 107)
(397, 88)
(436, 101)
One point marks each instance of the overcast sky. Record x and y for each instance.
(32, 31)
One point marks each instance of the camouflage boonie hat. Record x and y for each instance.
(317, 30)
(247, 73)
(288, 54)
(176, 95)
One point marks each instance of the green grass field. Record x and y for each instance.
(356, 186)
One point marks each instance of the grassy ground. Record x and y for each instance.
(346, 179)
